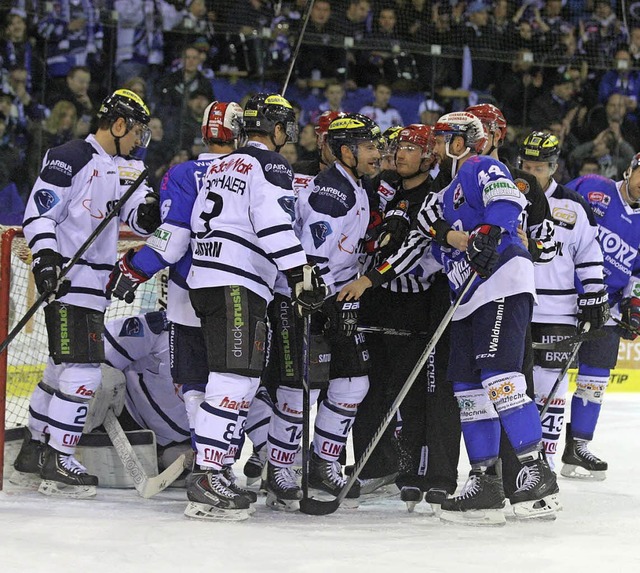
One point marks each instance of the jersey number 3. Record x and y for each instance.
(206, 216)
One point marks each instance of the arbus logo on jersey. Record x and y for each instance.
(320, 230)
(278, 168)
(333, 193)
(132, 327)
(288, 205)
(58, 165)
(45, 199)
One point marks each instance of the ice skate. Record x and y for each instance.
(230, 476)
(211, 498)
(28, 463)
(379, 487)
(253, 467)
(536, 496)
(480, 502)
(412, 496)
(283, 492)
(63, 476)
(434, 497)
(579, 462)
(325, 477)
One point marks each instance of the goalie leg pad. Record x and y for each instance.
(75, 333)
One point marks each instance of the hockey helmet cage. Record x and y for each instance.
(221, 122)
(264, 111)
(128, 105)
(350, 130)
(465, 125)
(421, 135)
(541, 147)
(491, 117)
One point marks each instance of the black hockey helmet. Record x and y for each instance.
(128, 105)
(541, 147)
(264, 111)
(350, 130)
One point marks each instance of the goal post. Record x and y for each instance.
(22, 365)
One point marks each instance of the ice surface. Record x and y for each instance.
(118, 532)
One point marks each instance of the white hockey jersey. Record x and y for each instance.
(242, 222)
(79, 184)
(578, 254)
(139, 347)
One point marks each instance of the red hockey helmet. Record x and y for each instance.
(465, 125)
(322, 127)
(421, 135)
(491, 117)
(221, 122)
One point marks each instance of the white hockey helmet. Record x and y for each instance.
(465, 125)
(221, 122)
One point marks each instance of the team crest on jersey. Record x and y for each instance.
(45, 200)
(458, 197)
(319, 232)
(522, 185)
(564, 217)
(288, 205)
(598, 197)
(132, 327)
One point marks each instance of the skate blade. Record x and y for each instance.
(25, 480)
(57, 489)
(253, 482)
(578, 472)
(203, 511)
(322, 495)
(383, 492)
(278, 504)
(543, 509)
(476, 517)
(436, 508)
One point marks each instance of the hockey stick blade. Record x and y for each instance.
(391, 331)
(312, 506)
(568, 343)
(145, 486)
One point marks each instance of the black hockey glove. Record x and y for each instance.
(125, 279)
(148, 218)
(395, 228)
(482, 249)
(342, 317)
(593, 307)
(630, 318)
(47, 266)
(308, 290)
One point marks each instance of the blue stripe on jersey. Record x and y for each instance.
(239, 240)
(86, 290)
(116, 345)
(29, 221)
(210, 442)
(273, 230)
(94, 266)
(231, 270)
(584, 265)
(158, 409)
(283, 445)
(556, 292)
(286, 252)
(218, 412)
(330, 436)
(40, 237)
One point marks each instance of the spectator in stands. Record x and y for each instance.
(602, 33)
(190, 135)
(195, 21)
(73, 36)
(415, 18)
(137, 85)
(334, 100)
(381, 111)
(429, 111)
(611, 151)
(139, 39)
(28, 109)
(12, 177)
(634, 45)
(173, 91)
(621, 80)
(159, 153)
(589, 166)
(16, 50)
(356, 22)
(76, 90)
(307, 148)
(290, 153)
(554, 104)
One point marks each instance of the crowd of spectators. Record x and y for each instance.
(567, 66)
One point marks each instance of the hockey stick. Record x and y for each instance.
(81, 251)
(306, 403)
(391, 331)
(567, 343)
(297, 48)
(146, 486)
(318, 507)
(626, 326)
(563, 373)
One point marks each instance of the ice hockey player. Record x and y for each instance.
(242, 235)
(579, 255)
(488, 329)
(170, 246)
(332, 214)
(325, 157)
(79, 183)
(616, 207)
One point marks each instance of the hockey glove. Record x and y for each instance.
(47, 266)
(593, 307)
(125, 279)
(395, 229)
(482, 249)
(308, 290)
(373, 231)
(148, 217)
(342, 317)
(630, 315)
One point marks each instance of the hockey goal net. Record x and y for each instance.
(22, 365)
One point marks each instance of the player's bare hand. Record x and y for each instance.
(523, 237)
(354, 290)
(458, 239)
